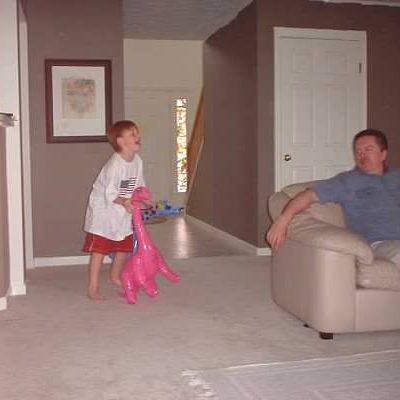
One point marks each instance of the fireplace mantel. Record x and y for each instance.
(7, 119)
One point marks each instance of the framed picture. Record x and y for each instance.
(78, 100)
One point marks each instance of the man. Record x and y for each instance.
(369, 195)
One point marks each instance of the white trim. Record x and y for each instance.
(40, 262)
(364, 74)
(277, 111)
(84, 260)
(26, 146)
(17, 289)
(60, 261)
(63, 261)
(328, 34)
(363, 2)
(7, 120)
(3, 303)
(11, 103)
(243, 245)
(333, 34)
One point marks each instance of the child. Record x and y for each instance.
(108, 221)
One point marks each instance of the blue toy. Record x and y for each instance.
(161, 209)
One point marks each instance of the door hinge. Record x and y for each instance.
(360, 68)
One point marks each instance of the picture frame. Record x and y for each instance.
(78, 100)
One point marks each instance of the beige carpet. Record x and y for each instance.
(56, 345)
(372, 376)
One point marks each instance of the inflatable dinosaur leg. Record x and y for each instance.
(131, 295)
(130, 289)
(150, 287)
(166, 270)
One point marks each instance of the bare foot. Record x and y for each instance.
(116, 281)
(94, 295)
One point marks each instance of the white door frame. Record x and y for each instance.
(25, 132)
(328, 34)
(11, 103)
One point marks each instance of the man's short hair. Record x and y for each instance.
(379, 136)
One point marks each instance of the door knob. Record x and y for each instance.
(287, 157)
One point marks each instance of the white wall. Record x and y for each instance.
(163, 63)
(155, 73)
(9, 102)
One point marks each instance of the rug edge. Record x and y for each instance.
(202, 389)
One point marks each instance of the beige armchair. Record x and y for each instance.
(318, 273)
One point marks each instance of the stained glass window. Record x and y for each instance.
(181, 144)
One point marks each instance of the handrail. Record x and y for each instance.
(195, 145)
(7, 119)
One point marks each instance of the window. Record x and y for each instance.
(181, 144)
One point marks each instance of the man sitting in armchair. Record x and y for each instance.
(369, 195)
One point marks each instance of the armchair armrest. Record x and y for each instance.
(315, 233)
(316, 285)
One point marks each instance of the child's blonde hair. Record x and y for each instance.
(117, 130)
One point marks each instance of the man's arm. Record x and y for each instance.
(277, 232)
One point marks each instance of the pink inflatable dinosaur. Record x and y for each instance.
(143, 266)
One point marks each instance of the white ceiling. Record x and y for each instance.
(178, 19)
(192, 19)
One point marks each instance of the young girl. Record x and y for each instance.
(108, 221)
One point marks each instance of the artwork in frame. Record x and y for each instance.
(78, 100)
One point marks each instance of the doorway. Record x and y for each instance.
(157, 111)
(320, 102)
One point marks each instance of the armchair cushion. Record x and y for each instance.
(315, 233)
(330, 213)
(381, 274)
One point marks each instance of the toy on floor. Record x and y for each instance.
(142, 266)
(161, 209)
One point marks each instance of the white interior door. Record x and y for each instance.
(320, 103)
(154, 111)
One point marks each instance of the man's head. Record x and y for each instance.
(370, 148)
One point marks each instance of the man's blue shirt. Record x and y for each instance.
(371, 203)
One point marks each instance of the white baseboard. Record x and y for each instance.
(58, 261)
(17, 289)
(13, 290)
(3, 303)
(245, 246)
(84, 260)
(62, 261)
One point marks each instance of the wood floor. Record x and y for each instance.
(179, 237)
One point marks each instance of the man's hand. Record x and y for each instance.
(276, 234)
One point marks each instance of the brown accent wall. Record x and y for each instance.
(382, 25)
(62, 174)
(226, 99)
(225, 192)
(4, 252)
